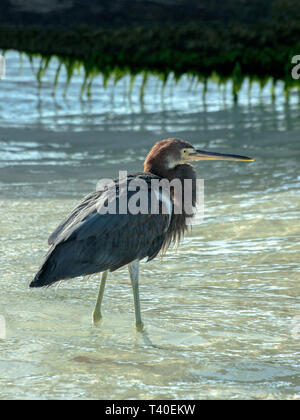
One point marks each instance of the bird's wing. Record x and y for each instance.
(119, 238)
(91, 241)
(87, 205)
(82, 210)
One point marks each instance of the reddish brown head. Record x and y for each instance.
(166, 157)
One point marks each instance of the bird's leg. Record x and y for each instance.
(97, 311)
(134, 277)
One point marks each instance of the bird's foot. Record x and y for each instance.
(140, 326)
(97, 317)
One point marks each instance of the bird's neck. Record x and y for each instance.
(162, 171)
(156, 170)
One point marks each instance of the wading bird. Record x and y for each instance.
(91, 240)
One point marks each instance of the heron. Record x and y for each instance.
(91, 240)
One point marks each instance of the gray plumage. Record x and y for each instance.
(88, 242)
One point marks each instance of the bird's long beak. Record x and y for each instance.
(203, 155)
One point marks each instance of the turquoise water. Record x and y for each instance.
(221, 311)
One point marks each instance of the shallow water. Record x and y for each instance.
(222, 311)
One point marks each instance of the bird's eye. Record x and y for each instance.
(185, 152)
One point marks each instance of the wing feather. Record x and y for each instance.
(89, 241)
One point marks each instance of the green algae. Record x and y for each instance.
(256, 54)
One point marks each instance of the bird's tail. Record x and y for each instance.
(61, 263)
(47, 273)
